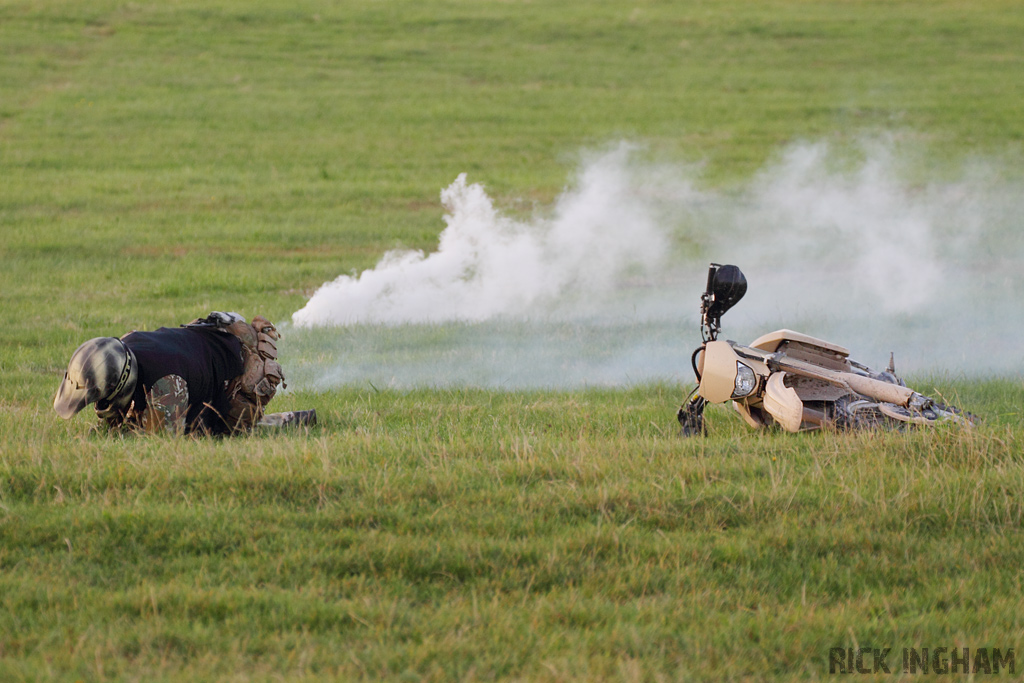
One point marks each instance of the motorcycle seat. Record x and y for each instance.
(770, 342)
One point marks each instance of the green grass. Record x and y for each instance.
(160, 160)
(468, 533)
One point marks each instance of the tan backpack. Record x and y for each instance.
(250, 392)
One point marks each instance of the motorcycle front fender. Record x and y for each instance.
(752, 416)
(787, 408)
(783, 404)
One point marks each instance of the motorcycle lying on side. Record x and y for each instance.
(794, 380)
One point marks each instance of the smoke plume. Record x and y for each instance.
(488, 266)
(603, 288)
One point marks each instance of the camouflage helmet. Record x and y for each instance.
(102, 369)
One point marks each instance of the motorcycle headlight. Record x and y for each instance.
(746, 381)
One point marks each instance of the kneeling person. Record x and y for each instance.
(212, 376)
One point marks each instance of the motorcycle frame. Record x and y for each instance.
(857, 384)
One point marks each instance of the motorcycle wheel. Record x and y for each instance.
(855, 412)
(931, 415)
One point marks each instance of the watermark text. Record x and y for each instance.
(922, 660)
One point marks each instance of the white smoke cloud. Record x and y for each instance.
(488, 265)
(863, 227)
(604, 288)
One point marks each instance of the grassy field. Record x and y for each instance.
(160, 160)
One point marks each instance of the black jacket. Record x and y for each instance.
(207, 359)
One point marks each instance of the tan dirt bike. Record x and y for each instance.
(793, 380)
